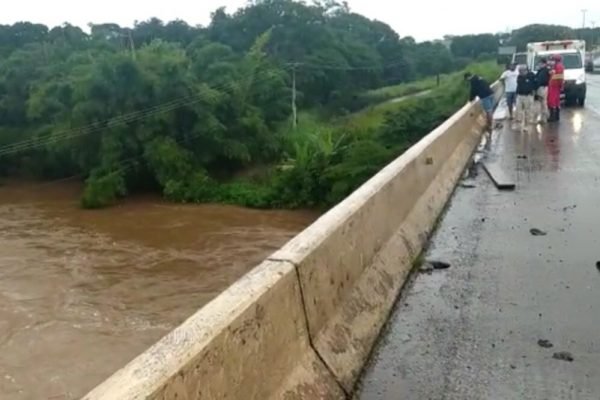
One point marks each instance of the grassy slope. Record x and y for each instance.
(372, 117)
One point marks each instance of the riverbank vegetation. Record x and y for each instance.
(204, 114)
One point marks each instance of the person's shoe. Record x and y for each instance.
(552, 117)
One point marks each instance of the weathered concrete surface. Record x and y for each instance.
(472, 332)
(251, 342)
(353, 261)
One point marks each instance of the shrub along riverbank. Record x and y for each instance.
(329, 158)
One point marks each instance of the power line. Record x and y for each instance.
(173, 105)
(95, 126)
(123, 165)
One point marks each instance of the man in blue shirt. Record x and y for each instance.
(480, 88)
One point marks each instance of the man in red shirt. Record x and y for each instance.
(555, 88)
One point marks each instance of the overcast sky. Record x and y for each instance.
(422, 19)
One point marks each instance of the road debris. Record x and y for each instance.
(430, 266)
(546, 344)
(467, 186)
(537, 232)
(499, 176)
(563, 356)
(439, 264)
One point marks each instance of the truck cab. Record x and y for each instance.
(519, 59)
(573, 55)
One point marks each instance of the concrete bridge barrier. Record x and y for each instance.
(354, 260)
(251, 342)
(302, 324)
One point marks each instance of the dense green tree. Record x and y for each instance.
(540, 33)
(183, 110)
(590, 35)
(473, 46)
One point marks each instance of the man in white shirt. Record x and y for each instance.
(509, 78)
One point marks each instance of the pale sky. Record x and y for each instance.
(422, 19)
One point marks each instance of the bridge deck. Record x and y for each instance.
(472, 331)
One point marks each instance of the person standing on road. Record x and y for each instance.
(509, 78)
(542, 78)
(555, 87)
(480, 88)
(526, 90)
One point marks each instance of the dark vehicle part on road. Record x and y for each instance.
(563, 356)
(498, 176)
(537, 232)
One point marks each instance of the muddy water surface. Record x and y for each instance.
(83, 292)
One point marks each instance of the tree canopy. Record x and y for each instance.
(539, 33)
(171, 107)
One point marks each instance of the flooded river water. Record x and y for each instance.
(83, 292)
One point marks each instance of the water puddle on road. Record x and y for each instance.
(83, 292)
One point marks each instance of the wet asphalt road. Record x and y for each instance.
(472, 331)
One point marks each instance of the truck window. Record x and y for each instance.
(570, 60)
(520, 59)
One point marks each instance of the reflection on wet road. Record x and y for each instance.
(83, 292)
(493, 325)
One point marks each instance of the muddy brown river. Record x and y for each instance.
(84, 292)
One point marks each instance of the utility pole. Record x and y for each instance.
(131, 45)
(294, 110)
(583, 12)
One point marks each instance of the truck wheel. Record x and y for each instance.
(582, 101)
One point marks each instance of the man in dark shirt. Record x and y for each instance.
(480, 88)
(526, 90)
(542, 78)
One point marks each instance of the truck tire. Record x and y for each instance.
(582, 101)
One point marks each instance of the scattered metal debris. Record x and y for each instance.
(537, 232)
(563, 356)
(430, 266)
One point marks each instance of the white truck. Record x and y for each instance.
(520, 59)
(573, 55)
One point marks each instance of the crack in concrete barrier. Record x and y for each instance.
(306, 321)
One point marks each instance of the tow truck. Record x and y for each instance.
(573, 55)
